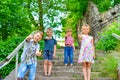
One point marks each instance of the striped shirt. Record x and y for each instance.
(69, 40)
(29, 52)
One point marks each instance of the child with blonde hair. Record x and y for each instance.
(49, 51)
(87, 52)
(28, 57)
(69, 48)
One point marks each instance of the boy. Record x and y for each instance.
(28, 57)
(49, 51)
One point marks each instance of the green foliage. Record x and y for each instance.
(41, 44)
(13, 18)
(107, 41)
(6, 47)
(118, 46)
(110, 67)
(53, 10)
(115, 2)
(104, 5)
(75, 10)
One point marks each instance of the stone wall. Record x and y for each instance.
(98, 20)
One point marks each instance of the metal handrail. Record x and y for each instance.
(12, 55)
(116, 36)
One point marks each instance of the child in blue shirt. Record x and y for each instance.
(49, 51)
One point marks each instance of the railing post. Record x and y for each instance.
(16, 69)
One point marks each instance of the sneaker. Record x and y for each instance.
(71, 64)
(65, 64)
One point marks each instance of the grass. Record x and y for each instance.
(108, 66)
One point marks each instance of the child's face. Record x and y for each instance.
(69, 33)
(85, 30)
(49, 33)
(37, 37)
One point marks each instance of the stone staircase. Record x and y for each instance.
(61, 72)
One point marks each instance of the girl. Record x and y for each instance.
(87, 52)
(69, 48)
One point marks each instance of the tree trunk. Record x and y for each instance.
(40, 26)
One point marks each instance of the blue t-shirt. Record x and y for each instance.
(49, 44)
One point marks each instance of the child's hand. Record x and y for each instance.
(39, 53)
(48, 38)
(29, 37)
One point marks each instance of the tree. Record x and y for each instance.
(75, 10)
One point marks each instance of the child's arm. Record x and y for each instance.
(38, 53)
(29, 37)
(80, 37)
(73, 47)
(93, 48)
(47, 38)
(54, 54)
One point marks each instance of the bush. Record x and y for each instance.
(107, 41)
(6, 47)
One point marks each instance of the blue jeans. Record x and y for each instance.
(24, 68)
(68, 54)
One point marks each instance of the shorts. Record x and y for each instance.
(48, 55)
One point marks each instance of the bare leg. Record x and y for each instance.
(49, 67)
(88, 70)
(45, 67)
(84, 70)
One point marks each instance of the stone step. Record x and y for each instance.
(68, 74)
(77, 51)
(62, 58)
(68, 68)
(76, 54)
(63, 68)
(60, 62)
(66, 78)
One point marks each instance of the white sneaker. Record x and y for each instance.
(65, 64)
(71, 64)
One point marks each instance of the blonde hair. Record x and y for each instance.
(85, 25)
(69, 30)
(49, 29)
(40, 32)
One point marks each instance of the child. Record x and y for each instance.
(28, 57)
(87, 52)
(69, 47)
(49, 51)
